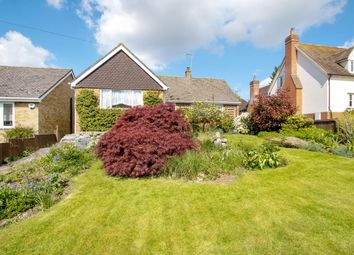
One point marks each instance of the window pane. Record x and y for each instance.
(136, 98)
(106, 98)
(8, 115)
(123, 98)
(116, 97)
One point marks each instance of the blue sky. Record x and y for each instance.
(228, 39)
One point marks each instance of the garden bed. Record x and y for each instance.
(304, 207)
(41, 182)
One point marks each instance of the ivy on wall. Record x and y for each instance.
(152, 98)
(91, 117)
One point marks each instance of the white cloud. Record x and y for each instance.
(57, 4)
(161, 31)
(18, 50)
(348, 44)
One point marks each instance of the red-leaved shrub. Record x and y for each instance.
(270, 112)
(142, 138)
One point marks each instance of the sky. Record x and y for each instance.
(229, 39)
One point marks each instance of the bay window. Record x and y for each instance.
(120, 98)
(7, 115)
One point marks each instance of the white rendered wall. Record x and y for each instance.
(314, 85)
(340, 88)
(276, 85)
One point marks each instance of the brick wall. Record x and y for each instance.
(24, 117)
(54, 110)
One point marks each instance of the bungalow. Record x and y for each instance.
(183, 91)
(38, 98)
(318, 79)
(121, 78)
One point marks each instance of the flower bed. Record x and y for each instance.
(42, 181)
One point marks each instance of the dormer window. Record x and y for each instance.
(351, 66)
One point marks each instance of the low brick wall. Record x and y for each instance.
(326, 125)
(16, 146)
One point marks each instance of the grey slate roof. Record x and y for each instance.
(244, 105)
(28, 82)
(187, 90)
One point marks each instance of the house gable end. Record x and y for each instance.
(120, 69)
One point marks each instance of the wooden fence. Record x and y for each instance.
(16, 146)
(326, 124)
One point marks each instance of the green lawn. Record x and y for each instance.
(306, 207)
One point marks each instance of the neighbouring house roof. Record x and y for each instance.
(189, 90)
(29, 82)
(120, 69)
(264, 90)
(243, 105)
(328, 58)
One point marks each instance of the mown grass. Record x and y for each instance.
(306, 207)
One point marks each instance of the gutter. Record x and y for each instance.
(20, 99)
(214, 102)
(329, 94)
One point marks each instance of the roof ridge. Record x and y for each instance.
(319, 45)
(207, 78)
(34, 67)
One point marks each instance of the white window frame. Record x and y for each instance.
(351, 100)
(141, 103)
(351, 66)
(2, 115)
(220, 107)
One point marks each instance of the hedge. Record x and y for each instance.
(91, 117)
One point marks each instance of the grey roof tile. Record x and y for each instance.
(185, 89)
(28, 82)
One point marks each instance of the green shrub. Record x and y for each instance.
(346, 129)
(227, 123)
(342, 151)
(260, 158)
(152, 98)
(324, 137)
(41, 181)
(14, 200)
(19, 132)
(264, 134)
(91, 117)
(211, 161)
(204, 116)
(66, 158)
(312, 146)
(297, 122)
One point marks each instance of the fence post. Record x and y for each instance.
(56, 132)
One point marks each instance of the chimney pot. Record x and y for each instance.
(188, 72)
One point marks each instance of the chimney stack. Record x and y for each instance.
(188, 72)
(290, 53)
(254, 89)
